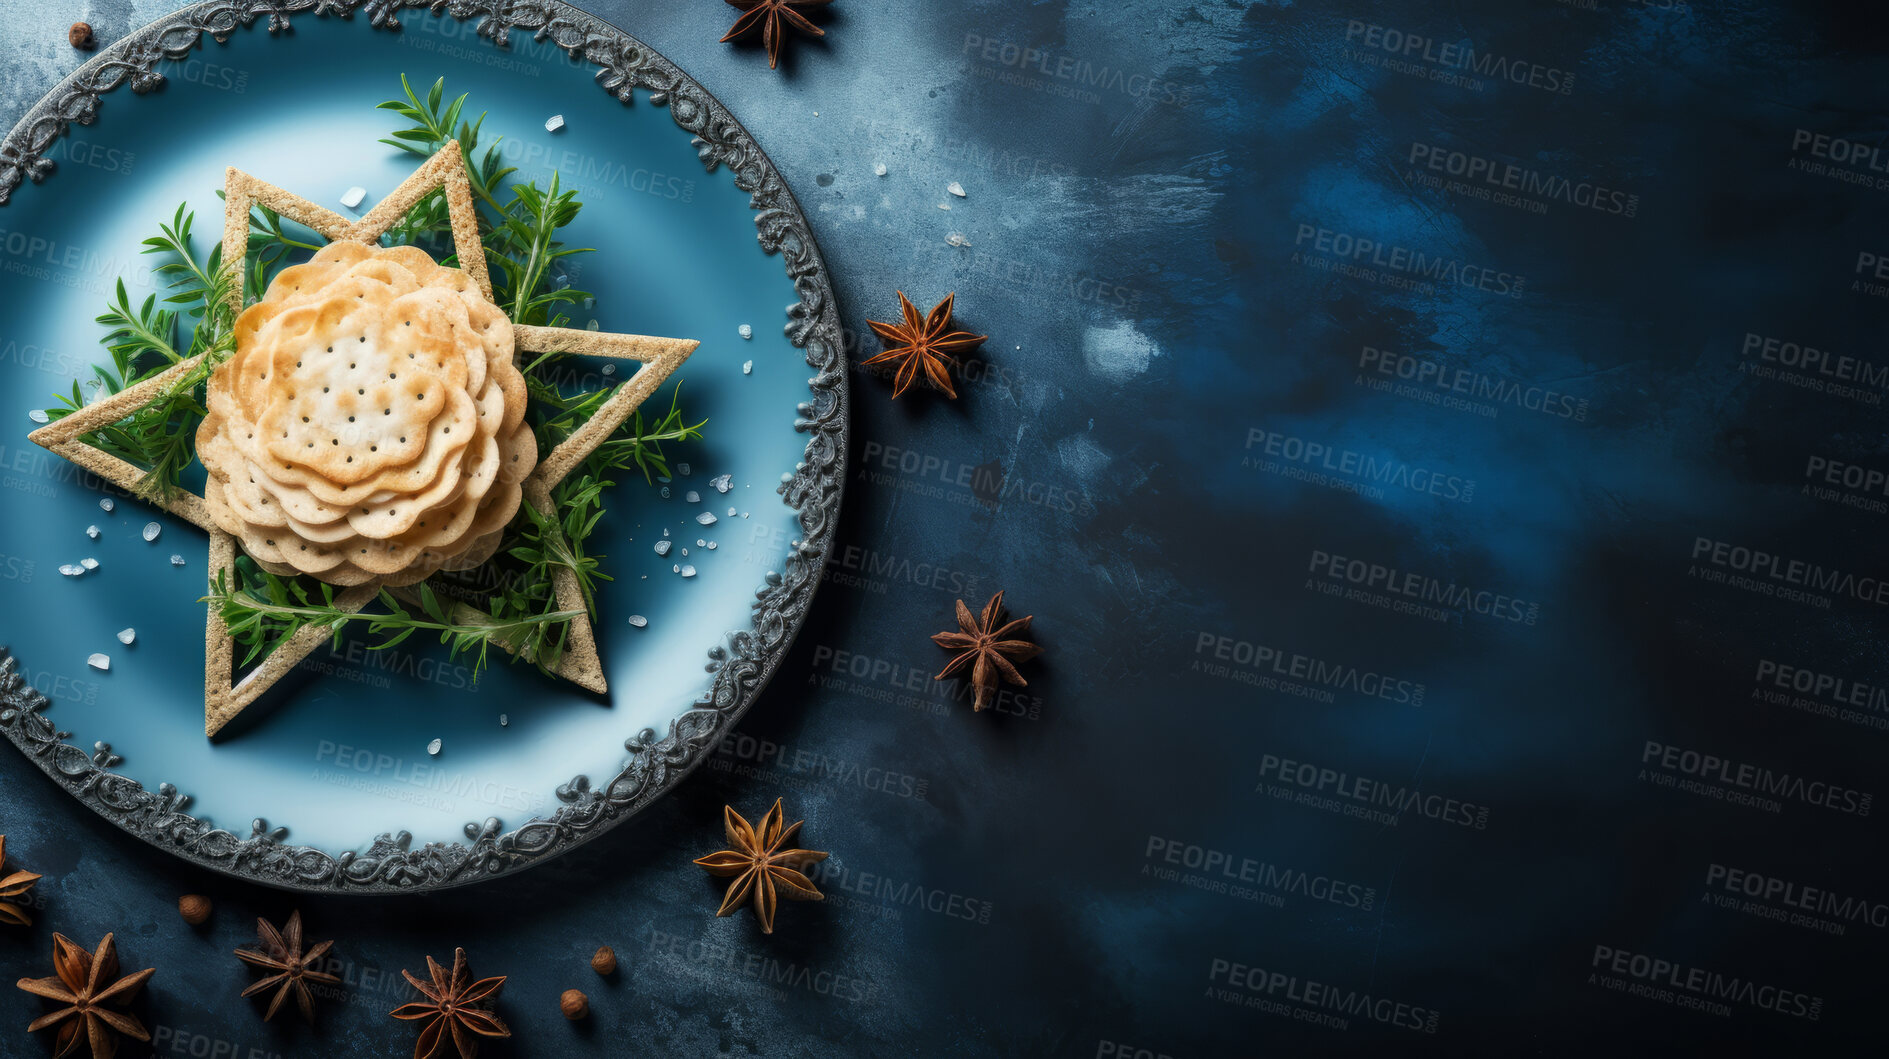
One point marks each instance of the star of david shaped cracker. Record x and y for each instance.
(226, 697)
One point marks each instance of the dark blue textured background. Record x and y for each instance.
(1147, 250)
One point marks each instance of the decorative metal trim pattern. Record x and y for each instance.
(741, 666)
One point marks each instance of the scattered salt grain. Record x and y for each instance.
(722, 482)
(433, 748)
(693, 497)
(685, 551)
(177, 560)
(955, 188)
(878, 170)
(151, 530)
(38, 415)
(674, 569)
(639, 621)
(92, 532)
(747, 367)
(731, 512)
(71, 569)
(89, 563)
(127, 636)
(662, 547)
(554, 123)
(682, 469)
(504, 720)
(956, 239)
(944, 205)
(711, 546)
(609, 369)
(706, 518)
(688, 571)
(700, 543)
(353, 196)
(107, 504)
(100, 661)
(665, 492)
(745, 330)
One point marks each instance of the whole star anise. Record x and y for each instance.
(761, 865)
(86, 985)
(987, 649)
(922, 344)
(293, 970)
(453, 1005)
(769, 14)
(14, 885)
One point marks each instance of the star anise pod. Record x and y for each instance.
(292, 969)
(89, 988)
(987, 649)
(769, 14)
(453, 1005)
(761, 865)
(922, 344)
(14, 885)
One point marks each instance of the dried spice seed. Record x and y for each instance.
(989, 651)
(769, 14)
(763, 870)
(281, 952)
(605, 961)
(922, 347)
(453, 1006)
(92, 993)
(80, 36)
(574, 1004)
(195, 908)
(14, 885)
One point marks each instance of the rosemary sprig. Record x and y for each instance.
(143, 342)
(261, 610)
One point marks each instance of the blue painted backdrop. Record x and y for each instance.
(1440, 449)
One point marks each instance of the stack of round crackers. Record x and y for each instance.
(370, 423)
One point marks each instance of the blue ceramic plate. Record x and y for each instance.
(327, 783)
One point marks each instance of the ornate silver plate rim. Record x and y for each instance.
(742, 665)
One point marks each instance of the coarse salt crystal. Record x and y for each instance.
(662, 547)
(38, 415)
(722, 482)
(688, 571)
(177, 560)
(693, 497)
(71, 569)
(956, 239)
(747, 367)
(706, 518)
(639, 621)
(100, 661)
(878, 170)
(107, 504)
(554, 123)
(127, 635)
(955, 188)
(89, 563)
(433, 748)
(353, 196)
(745, 330)
(151, 530)
(92, 532)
